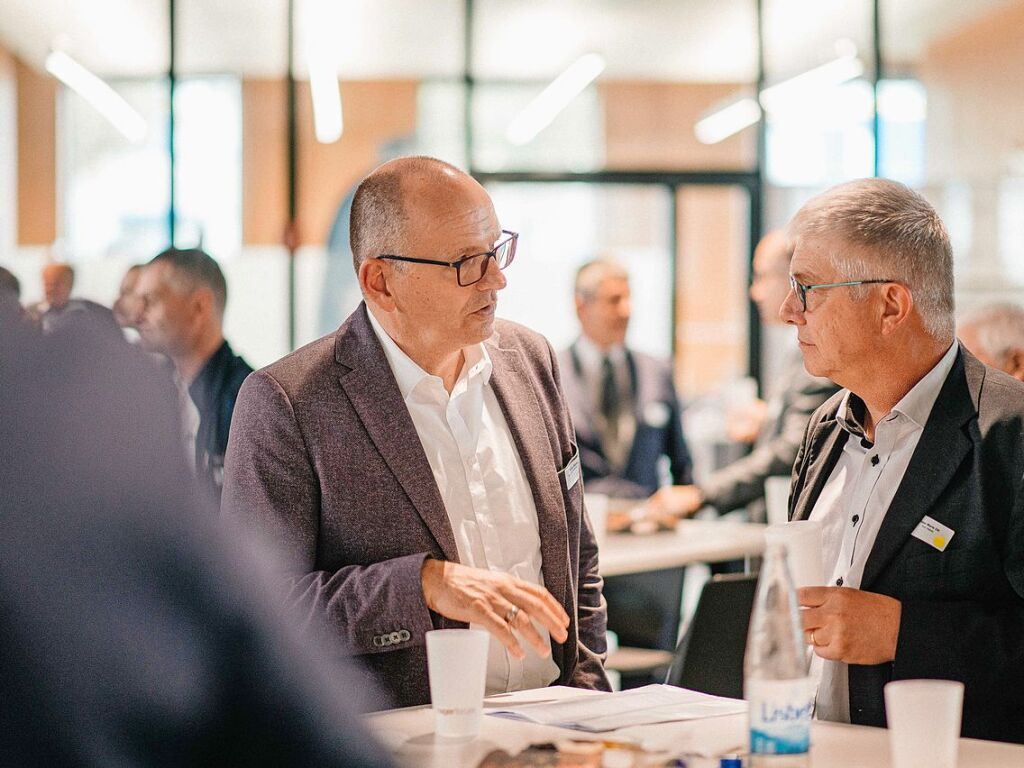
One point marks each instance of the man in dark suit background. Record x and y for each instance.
(179, 299)
(915, 469)
(630, 434)
(624, 403)
(417, 467)
(780, 421)
(135, 632)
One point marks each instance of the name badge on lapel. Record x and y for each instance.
(934, 533)
(571, 473)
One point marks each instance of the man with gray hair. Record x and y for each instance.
(995, 335)
(915, 469)
(624, 403)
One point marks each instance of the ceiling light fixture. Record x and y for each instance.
(795, 92)
(328, 122)
(99, 95)
(546, 106)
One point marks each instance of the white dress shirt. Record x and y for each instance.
(483, 485)
(591, 360)
(855, 499)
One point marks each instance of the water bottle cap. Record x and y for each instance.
(731, 761)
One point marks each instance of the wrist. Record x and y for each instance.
(431, 574)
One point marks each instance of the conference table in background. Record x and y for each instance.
(409, 733)
(692, 542)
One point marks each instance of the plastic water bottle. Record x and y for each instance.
(776, 683)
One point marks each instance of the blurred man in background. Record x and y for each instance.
(624, 404)
(995, 335)
(781, 421)
(629, 431)
(181, 297)
(126, 306)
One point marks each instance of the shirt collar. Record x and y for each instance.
(591, 356)
(916, 405)
(408, 374)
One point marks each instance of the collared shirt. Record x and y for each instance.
(483, 485)
(856, 497)
(591, 360)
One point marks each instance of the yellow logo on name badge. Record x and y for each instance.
(939, 542)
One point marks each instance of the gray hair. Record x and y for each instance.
(899, 232)
(999, 329)
(590, 276)
(379, 215)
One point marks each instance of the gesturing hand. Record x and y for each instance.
(679, 500)
(486, 598)
(851, 626)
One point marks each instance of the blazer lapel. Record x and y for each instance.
(574, 386)
(827, 441)
(374, 394)
(518, 400)
(942, 448)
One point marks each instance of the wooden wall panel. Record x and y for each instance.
(649, 126)
(37, 156)
(375, 112)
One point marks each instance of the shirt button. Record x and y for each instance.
(874, 460)
(839, 581)
(855, 518)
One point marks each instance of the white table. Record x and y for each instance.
(409, 733)
(693, 541)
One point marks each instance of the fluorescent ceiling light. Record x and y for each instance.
(796, 92)
(546, 106)
(328, 122)
(98, 94)
(724, 122)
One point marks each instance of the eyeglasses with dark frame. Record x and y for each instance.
(802, 290)
(471, 269)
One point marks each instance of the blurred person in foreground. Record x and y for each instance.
(417, 466)
(180, 299)
(915, 469)
(623, 402)
(995, 335)
(779, 425)
(135, 631)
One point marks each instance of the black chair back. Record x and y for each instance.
(709, 658)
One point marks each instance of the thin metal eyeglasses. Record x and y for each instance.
(802, 290)
(471, 269)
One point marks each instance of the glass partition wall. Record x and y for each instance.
(601, 128)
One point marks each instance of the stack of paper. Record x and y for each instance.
(639, 706)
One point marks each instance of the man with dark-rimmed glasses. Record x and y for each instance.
(418, 467)
(915, 469)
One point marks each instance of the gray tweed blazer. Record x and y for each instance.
(324, 458)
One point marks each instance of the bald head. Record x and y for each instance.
(995, 335)
(769, 283)
(389, 199)
(58, 279)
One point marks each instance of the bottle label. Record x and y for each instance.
(780, 716)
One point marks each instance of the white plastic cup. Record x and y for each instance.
(776, 499)
(596, 505)
(924, 722)
(802, 541)
(457, 664)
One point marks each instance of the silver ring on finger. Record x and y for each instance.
(512, 613)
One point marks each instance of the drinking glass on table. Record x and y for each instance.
(457, 665)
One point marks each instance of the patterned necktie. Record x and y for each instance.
(609, 400)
